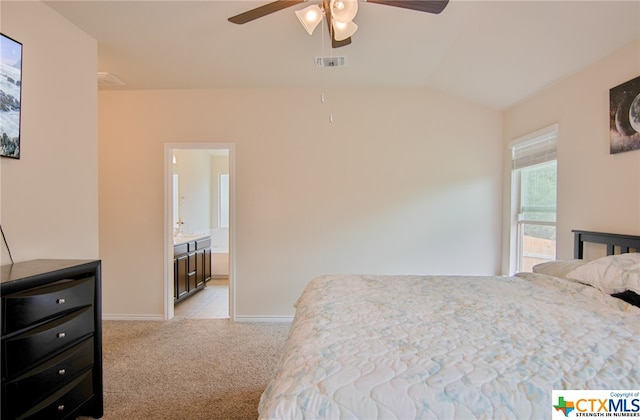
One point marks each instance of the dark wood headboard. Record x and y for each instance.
(625, 243)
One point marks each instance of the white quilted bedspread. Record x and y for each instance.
(408, 347)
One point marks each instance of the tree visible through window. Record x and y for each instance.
(537, 216)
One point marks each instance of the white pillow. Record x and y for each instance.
(611, 274)
(558, 268)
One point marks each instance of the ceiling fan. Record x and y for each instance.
(339, 14)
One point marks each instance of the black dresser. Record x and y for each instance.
(51, 339)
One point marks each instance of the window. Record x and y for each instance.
(534, 181)
(223, 200)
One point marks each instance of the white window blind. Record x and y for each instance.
(535, 148)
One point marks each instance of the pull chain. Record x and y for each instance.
(322, 98)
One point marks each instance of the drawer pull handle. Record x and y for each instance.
(61, 407)
(62, 372)
(61, 301)
(62, 335)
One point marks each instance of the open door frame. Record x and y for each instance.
(168, 222)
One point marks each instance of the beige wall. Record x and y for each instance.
(49, 198)
(403, 181)
(596, 191)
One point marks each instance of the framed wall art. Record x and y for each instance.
(624, 117)
(10, 96)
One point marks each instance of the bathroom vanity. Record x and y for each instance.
(191, 265)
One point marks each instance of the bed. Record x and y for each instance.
(405, 347)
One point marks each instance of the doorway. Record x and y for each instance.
(199, 204)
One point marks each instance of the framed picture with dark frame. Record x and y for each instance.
(624, 117)
(10, 96)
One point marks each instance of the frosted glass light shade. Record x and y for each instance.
(310, 17)
(342, 30)
(343, 10)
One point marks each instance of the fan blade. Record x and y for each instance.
(327, 14)
(429, 6)
(265, 10)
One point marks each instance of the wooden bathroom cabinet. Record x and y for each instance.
(191, 267)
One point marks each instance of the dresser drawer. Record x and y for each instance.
(29, 307)
(51, 347)
(203, 243)
(30, 347)
(180, 249)
(61, 403)
(33, 386)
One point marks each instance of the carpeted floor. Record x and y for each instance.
(188, 368)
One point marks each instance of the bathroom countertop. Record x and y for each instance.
(188, 237)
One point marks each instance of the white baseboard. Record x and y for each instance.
(112, 317)
(241, 318)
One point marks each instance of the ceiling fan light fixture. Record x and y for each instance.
(310, 17)
(343, 30)
(343, 10)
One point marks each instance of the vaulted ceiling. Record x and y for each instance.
(492, 52)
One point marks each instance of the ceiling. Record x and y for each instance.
(495, 53)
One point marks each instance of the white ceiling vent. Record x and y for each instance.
(330, 61)
(109, 80)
